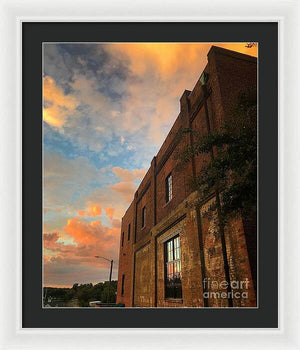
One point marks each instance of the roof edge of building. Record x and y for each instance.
(227, 52)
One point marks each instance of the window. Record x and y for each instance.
(129, 229)
(143, 217)
(123, 282)
(173, 287)
(122, 239)
(169, 192)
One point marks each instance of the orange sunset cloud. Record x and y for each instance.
(125, 189)
(91, 238)
(93, 210)
(83, 232)
(110, 212)
(57, 105)
(128, 175)
(166, 58)
(164, 71)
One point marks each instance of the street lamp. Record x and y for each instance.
(111, 266)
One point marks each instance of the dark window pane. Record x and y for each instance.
(122, 239)
(143, 216)
(129, 229)
(123, 282)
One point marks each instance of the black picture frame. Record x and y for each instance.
(33, 35)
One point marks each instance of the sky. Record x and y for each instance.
(107, 109)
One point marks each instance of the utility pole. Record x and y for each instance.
(110, 273)
(111, 267)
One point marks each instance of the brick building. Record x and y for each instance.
(170, 253)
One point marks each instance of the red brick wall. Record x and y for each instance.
(236, 75)
(199, 124)
(143, 277)
(176, 126)
(238, 261)
(145, 201)
(125, 258)
(230, 74)
(179, 190)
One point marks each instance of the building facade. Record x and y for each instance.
(170, 252)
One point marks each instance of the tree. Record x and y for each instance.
(84, 294)
(103, 291)
(97, 291)
(250, 45)
(109, 292)
(230, 176)
(232, 168)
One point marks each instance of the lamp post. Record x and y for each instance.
(110, 273)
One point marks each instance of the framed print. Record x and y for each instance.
(126, 188)
(150, 153)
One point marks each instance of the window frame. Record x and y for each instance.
(143, 216)
(129, 232)
(169, 188)
(169, 262)
(123, 285)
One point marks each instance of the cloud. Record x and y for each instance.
(110, 212)
(73, 261)
(70, 186)
(80, 239)
(160, 58)
(87, 92)
(50, 240)
(160, 72)
(116, 223)
(129, 175)
(81, 115)
(125, 189)
(120, 89)
(57, 105)
(94, 210)
(166, 59)
(87, 233)
(108, 199)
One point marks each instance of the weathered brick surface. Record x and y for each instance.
(176, 126)
(178, 185)
(145, 201)
(237, 258)
(143, 279)
(142, 259)
(239, 262)
(126, 258)
(200, 125)
(214, 265)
